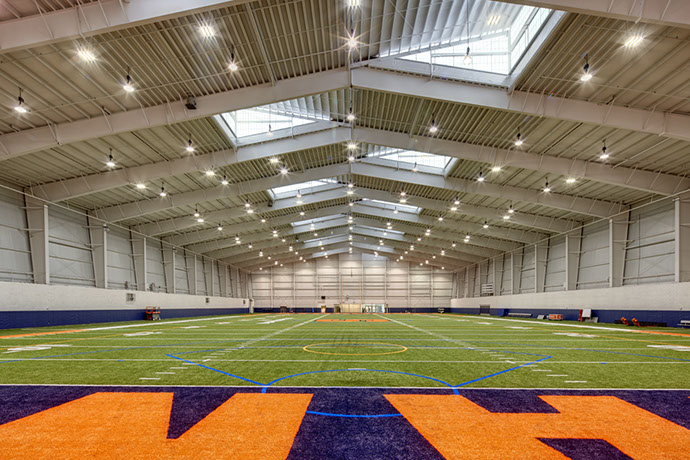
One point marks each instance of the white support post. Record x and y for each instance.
(190, 260)
(573, 246)
(682, 224)
(169, 267)
(472, 279)
(223, 275)
(618, 241)
(466, 286)
(541, 253)
(140, 261)
(483, 275)
(38, 221)
(98, 232)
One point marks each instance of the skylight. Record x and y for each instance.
(412, 157)
(302, 186)
(398, 206)
(314, 221)
(378, 229)
(249, 122)
(498, 37)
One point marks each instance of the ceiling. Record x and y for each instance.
(293, 58)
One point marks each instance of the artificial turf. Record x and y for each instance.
(314, 350)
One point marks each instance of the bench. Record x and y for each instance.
(521, 315)
(684, 323)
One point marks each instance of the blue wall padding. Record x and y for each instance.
(670, 317)
(17, 319)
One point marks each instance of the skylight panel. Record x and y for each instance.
(262, 120)
(412, 157)
(398, 206)
(377, 229)
(302, 186)
(314, 221)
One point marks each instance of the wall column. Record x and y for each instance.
(208, 276)
(682, 223)
(140, 261)
(573, 245)
(37, 219)
(618, 241)
(98, 232)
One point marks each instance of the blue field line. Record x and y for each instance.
(585, 349)
(214, 370)
(353, 416)
(501, 372)
(263, 390)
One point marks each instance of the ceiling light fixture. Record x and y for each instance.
(163, 193)
(111, 162)
(480, 178)
(232, 65)
(518, 139)
(604, 154)
(351, 115)
(190, 147)
(127, 86)
(586, 75)
(352, 40)
(207, 31)
(570, 180)
(633, 41)
(20, 107)
(511, 210)
(433, 129)
(495, 169)
(547, 189)
(224, 181)
(141, 186)
(283, 170)
(86, 55)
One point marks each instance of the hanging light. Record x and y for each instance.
(518, 139)
(604, 154)
(547, 189)
(210, 173)
(128, 84)
(200, 220)
(190, 147)
(351, 145)
(486, 224)
(207, 31)
(480, 178)
(586, 75)
(141, 186)
(440, 218)
(351, 115)
(468, 58)
(111, 162)
(570, 180)
(511, 210)
(352, 40)
(232, 65)
(395, 210)
(270, 131)
(196, 213)
(86, 55)
(433, 128)
(415, 168)
(495, 169)
(220, 228)
(224, 181)
(20, 107)
(163, 193)
(283, 170)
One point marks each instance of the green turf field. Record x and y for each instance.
(416, 350)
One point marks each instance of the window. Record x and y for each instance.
(412, 157)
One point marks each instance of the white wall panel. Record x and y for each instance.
(594, 258)
(555, 266)
(120, 259)
(181, 281)
(155, 270)
(649, 255)
(527, 270)
(70, 248)
(15, 255)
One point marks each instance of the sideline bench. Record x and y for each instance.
(684, 323)
(521, 315)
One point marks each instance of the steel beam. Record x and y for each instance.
(682, 240)
(39, 242)
(647, 181)
(673, 13)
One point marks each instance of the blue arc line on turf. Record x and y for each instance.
(353, 416)
(501, 372)
(215, 370)
(263, 390)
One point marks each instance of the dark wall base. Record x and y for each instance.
(670, 317)
(19, 319)
(330, 310)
